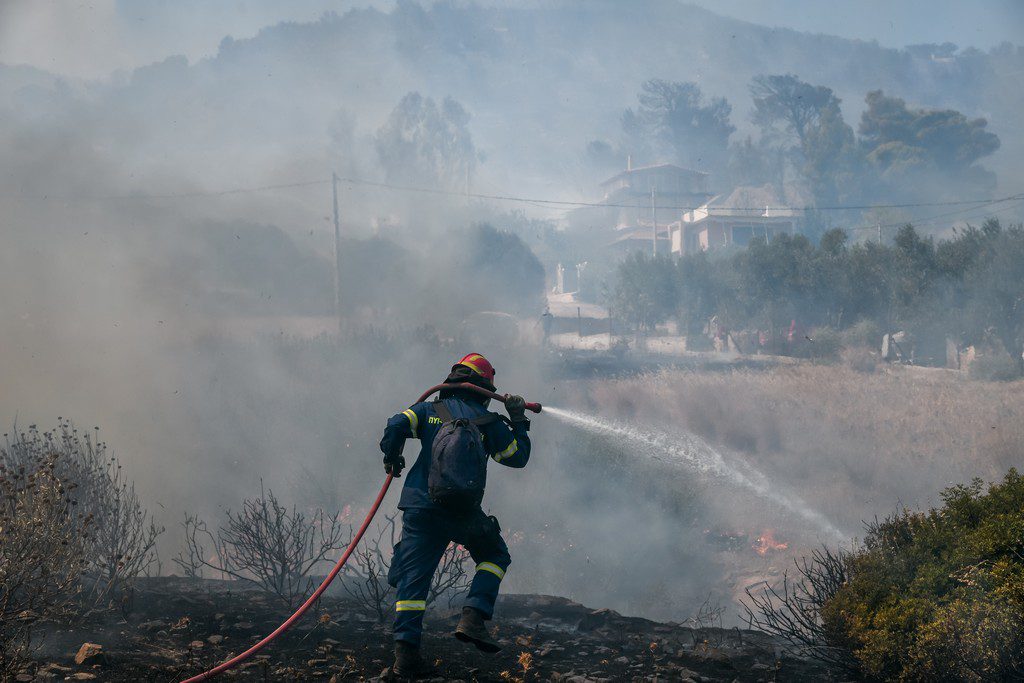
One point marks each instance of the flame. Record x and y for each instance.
(767, 543)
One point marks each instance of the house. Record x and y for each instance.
(733, 219)
(638, 204)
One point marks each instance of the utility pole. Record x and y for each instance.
(337, 253)
(654, 221)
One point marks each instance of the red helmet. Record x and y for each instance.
(478, 364)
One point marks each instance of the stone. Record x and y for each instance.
(81, 676)
(215, 639)
(155, 625)
(196, 644)
(89, 654)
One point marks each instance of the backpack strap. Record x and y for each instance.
(446, 415)
(442, 411)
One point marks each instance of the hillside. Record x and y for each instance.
(539, 83)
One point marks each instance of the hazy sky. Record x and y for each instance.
(92, 38)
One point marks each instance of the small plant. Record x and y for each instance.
(264, 544)
(366, 578)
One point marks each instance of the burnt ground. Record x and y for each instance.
(180, 627)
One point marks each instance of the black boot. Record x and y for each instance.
(408, 663)
(471, 629)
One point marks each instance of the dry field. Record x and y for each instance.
(853, 445)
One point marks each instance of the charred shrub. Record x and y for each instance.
(928, 596)
(264, 544)
(43, 550)
(793, 610)
(119, 543)
(366, 576)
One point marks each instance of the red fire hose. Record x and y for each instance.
(238, 659)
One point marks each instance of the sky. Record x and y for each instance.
(94, 38)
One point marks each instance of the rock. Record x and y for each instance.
(81, 676)
(317, 661)
(196, 644)
(243, 626)
(596, 619)
(89, 654)
(24, 678)
(155, 625)
(215, 639)
(57, 668)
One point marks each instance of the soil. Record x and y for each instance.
(180, 627)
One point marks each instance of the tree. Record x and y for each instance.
(495, 270)
(912, 146)
(423, 143)
(676, 115)
(787, 105)
(789, 111)
(777, 280)
(645, 292)
(994, 284)
(703, 291)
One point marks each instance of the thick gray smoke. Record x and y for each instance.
(193, 323)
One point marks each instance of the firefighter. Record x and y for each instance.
(429, 524)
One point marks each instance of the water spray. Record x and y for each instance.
(238, 659)
(694, 452)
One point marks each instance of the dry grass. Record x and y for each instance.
(853, 444)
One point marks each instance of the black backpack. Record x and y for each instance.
(458, 462)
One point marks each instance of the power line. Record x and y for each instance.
(971, 204)
(567, 203)
(946, 214)
(174, 195)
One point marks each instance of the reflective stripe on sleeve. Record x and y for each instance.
(414, 421)
(411, 605)
(508, 452)
(492, 568)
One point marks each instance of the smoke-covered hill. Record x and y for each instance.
(539, 83)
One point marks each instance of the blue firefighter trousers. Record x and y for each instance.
(426, 534)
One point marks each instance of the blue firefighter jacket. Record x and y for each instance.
(509, 446)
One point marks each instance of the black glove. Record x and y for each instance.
(394, 463)
(515, 406)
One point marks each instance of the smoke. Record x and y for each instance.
(166, 270)
(693, 453)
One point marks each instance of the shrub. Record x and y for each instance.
(43, 544)
(993, 368)
(825, 344)
(864, 333)
(366, 576)
(860, 359)
(266, 545)
(928, 596)
(121, 539)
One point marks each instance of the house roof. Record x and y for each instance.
(743, 202)
(654, 167)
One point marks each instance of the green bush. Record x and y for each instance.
(996, 367)
(826, 344)
(863, 333)
(938, 595)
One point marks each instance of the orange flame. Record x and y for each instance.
(767, 543)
